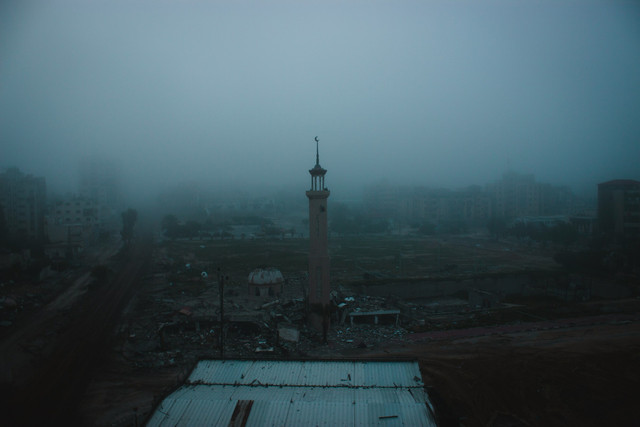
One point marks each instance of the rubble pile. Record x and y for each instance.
(175, 319)
(367, 336)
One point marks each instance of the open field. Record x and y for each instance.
(535, 361)
(390, 256)
(459, 393)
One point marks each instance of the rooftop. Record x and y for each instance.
(265, 276)
(296, 393)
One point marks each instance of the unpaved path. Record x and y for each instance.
(48, 395)
(20, 349)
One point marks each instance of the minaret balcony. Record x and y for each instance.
(318, 194)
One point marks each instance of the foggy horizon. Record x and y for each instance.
(433, 94)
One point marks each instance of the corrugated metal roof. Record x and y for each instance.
(308, 373)
(266, 412)
(298, 393)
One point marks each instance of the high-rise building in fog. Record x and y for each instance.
(73, 220)
(519, 195)
(515, 195)
(22, 203)
(471, 205)
(99, 182)
(619, 208)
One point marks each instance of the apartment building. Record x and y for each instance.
(23, 203)
(619, 208)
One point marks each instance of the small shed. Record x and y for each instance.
(265, 282)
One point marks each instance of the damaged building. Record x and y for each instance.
(265, 282)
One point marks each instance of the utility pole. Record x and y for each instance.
(221, 278)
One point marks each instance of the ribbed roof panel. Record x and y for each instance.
(296, 393)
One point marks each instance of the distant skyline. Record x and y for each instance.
(440, 94)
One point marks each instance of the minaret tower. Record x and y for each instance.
(318, 292)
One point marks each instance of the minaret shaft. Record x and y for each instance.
(319, 279)
(319, 283)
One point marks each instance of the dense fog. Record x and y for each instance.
(232, 94)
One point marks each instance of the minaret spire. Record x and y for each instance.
(317, 173)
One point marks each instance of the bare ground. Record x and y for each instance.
(585, 374)
(45, 385)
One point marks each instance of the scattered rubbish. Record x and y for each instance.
(269, 304)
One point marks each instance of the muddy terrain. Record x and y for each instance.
(105, 350)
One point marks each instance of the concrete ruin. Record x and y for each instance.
(265, 282)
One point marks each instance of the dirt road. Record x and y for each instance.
(49, 394)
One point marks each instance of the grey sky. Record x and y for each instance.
(421, 92)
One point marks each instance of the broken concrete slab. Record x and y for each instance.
(289, 333)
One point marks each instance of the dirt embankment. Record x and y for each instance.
(587, 376)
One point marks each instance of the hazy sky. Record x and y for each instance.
(421, 92)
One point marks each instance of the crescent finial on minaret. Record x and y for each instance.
(317, 152)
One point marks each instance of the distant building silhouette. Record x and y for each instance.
(74, 221)
(516, 195)
(513, 196)
(23, 203)
(619, 208)
(99, 182)
(519, 195)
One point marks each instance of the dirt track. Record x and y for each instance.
(49, 396)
